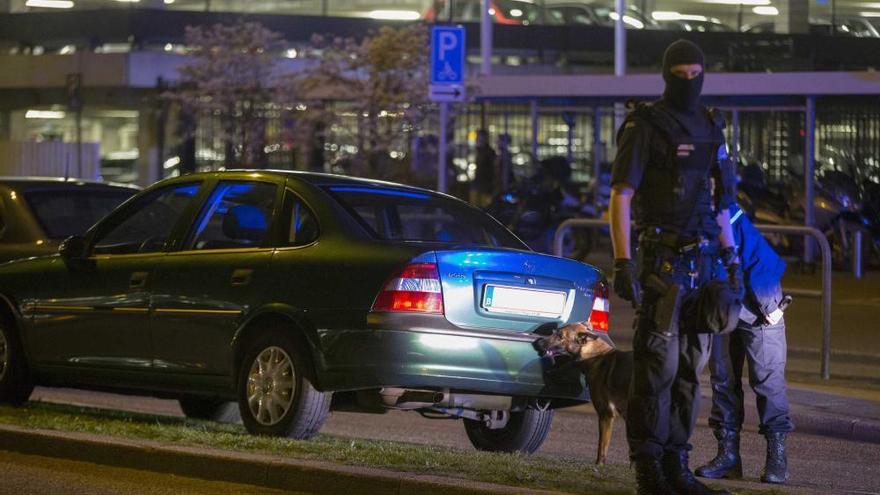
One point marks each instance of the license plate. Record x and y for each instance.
(528, 302)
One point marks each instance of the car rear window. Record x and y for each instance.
(397, 214)
(64, 213)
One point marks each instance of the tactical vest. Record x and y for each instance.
(675, 193)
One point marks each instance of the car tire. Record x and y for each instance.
(210, 409)
(524, 432)
(16, 385)
(269, 403)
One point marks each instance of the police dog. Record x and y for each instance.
(608, 372)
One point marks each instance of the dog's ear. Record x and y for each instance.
(545, 330)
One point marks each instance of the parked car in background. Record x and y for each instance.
(697, 24)
(595, 14)
(859, 27)
(504, 11)
(36, 214)
(297, 293)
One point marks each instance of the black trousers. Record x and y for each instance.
(665, 387)
(763, 346)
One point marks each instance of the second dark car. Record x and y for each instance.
(37, 213)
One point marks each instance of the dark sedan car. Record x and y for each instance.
(291, 293)
(36, 214)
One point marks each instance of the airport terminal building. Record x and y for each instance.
(93, 71)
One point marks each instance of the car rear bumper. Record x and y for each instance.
(425, 351)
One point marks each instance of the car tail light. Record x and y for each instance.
(599, 314)
(415, 288)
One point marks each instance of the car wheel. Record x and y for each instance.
(15, 381)
(210, 409)
(275, 397)
(524, 432)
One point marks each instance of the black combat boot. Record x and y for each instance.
(679, 475)
(650, 479)
(776, 466)
(727, 464)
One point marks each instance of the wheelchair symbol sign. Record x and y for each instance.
(447, 55)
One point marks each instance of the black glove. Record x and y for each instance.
(734, 271)
(626, 283)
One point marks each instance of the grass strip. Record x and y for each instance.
(535, 471)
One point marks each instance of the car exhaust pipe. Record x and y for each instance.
(401, 398)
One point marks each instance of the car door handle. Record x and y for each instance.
(138, 280)
(241, 276)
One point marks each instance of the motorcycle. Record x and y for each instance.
(534, 208)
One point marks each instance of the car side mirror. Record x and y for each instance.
(72, 248)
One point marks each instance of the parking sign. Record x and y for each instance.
(447, 63)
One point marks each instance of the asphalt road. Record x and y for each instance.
(28, 474)
(817, 463)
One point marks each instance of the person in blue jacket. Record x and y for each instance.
(759, 338)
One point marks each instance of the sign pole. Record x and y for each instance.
(447, 84)
(441, 155)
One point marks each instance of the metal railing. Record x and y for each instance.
(824, 248)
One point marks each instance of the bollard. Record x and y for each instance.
(857, 254)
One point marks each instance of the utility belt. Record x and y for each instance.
(673, 243)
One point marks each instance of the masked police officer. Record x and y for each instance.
(760, 337)
(671, 170)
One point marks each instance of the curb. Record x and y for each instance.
(827, 425)
(245, 468)
(811, 420)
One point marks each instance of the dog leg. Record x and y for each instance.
(606, 425)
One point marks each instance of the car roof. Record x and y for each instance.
(23, 183)
(325, 179)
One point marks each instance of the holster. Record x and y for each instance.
(668, 305)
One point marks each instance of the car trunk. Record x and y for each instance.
(514, 291)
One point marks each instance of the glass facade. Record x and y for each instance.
(116, 130)
(845, 18)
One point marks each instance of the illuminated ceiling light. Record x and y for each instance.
(632, 21)
(169, 47)
(664, 15)
(171, 162)
(491, 11)
(869, 14)
(738, 2)
(67, 49)
(516, 13)
(686, 17)
(291, 53)
(118, 114)
(169, 2)
(44, 114)
(50, 4)
(128, 1)
(766, 10)
(394, 15)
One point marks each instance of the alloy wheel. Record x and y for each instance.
(271, 386)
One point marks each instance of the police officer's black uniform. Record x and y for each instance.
(668, 153)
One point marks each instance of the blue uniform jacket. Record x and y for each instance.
(762, 267)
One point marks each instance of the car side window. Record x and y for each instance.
(146, 226)
(237, 215)
(303, 227)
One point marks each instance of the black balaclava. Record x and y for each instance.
(682, 94)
